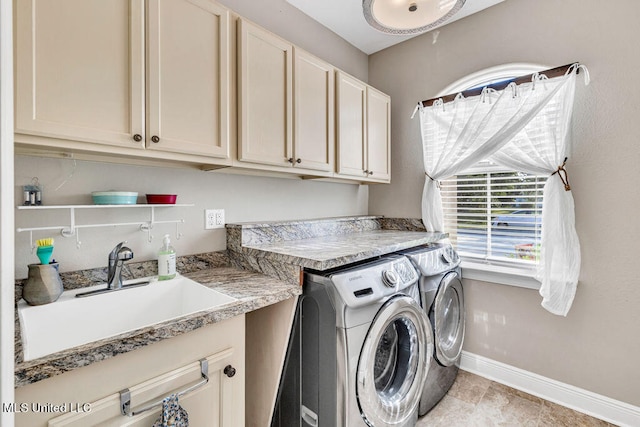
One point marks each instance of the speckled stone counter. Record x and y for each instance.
(251, 289)
(282, 249)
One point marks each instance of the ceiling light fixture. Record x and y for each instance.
(402, 17)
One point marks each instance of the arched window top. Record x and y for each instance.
(491, 75)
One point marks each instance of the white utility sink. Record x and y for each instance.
(71, 321)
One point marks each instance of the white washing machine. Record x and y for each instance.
(360, 349)
(443, 301)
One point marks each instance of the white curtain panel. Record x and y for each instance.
(525, 128)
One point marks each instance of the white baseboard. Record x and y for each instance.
(596, 405)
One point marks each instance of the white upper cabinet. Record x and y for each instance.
(80, 70)
(351, 130)
(286, 98)
(378, 135)
(188, 77)
(265, 91)
(313, 120)
(81, 75)
(157, 81)
(363, 131)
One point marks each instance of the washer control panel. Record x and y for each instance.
(366, 283)
(433, 259)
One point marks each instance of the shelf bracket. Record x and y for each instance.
(73, 229)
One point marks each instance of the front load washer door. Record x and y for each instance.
(393, 363)
(448, 319)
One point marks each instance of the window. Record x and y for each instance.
(493, 215)
(525, 127)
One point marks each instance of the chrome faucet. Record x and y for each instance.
(117, 257)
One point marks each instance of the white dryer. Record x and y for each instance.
(360, 349)
(443, 301)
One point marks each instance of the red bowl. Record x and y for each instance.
(161, 199)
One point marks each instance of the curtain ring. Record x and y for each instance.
(573, 67)
(486, 94)
(543, 78)
(514, 89)
(577, 67)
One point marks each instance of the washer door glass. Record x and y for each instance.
(394, 362)
(448, 319)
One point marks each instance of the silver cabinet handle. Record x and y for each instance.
(125, 395)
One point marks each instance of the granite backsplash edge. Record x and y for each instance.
(134, 270)
(239, 235)
(242, 234)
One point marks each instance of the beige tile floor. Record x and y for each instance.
(478, 402)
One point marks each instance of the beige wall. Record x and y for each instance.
(244, 198)
(596, 347)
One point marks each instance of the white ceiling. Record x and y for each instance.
(345, 18)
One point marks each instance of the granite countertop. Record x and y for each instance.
(322, 253)
(283, 249)
(251, 289)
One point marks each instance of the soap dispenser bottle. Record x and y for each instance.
(166, 260)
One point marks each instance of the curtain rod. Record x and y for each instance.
(550, 73)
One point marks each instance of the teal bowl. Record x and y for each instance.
(114, 197)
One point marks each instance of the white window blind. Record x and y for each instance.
(495, 216)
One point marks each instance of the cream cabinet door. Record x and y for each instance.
(378, 135)
(351, 130)
(265, 96)
(91, 395)
(80, 70)
(313, 118)
(211, 404)
(363, 131)
(188, 77)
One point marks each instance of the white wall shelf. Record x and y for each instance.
(72, 229)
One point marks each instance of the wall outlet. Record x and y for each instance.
(213, 218)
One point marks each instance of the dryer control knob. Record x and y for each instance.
(390, 278)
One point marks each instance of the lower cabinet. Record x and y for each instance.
(92, 395)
